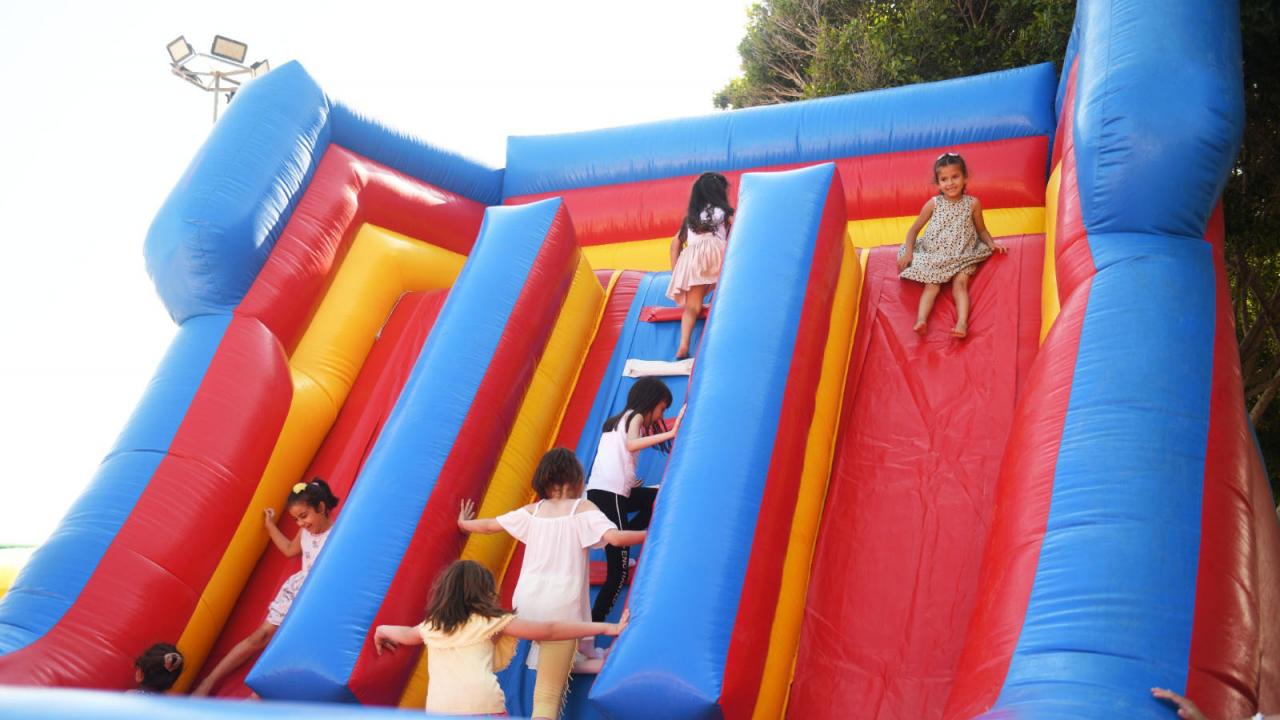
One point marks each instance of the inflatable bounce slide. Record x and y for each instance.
(1043, 520)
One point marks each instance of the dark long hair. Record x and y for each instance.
(644, 396)
(161, 664)
(463, 589)
(558, 467)
(710, 191)
(313, 494)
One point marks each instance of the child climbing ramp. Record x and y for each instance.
(469, 637)
(557, 531)
(697, 251)
(955, 242)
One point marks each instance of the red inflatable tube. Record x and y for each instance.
(345, 192)
(205, 481)
(436, 541)
(1004, 173)
(1231, 635)
(338, 461)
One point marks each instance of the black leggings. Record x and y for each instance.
(617, 508)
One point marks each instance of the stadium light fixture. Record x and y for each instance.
(220, 71)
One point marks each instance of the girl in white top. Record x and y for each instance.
(311, 504)
(557, 531)
(469, 638)
(614, 486)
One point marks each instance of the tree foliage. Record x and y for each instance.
(796, 49)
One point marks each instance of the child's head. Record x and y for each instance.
(559, 473)
(709, 190)
(649, 397)
(310, 503)
(950, 172)
(157, 668)
(463, 589)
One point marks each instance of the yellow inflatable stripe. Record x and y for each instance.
(785, 636)
(878, 232)
(648, 255)
(1049, 304)
(532, 434)
(379, 267)
(654, 255)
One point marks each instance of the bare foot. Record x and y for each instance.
(919, 327)
(960, 330)
(682, 353)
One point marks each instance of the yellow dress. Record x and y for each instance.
(462, 664)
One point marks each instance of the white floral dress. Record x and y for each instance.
(948, 246)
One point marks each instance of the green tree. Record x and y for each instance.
(797, 49)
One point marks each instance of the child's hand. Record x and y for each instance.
(1186, 709)
(999, 247)
(616, 629)
(904, 261)
(382, 642)
(467, 511)
(269, 516)
(675, 426)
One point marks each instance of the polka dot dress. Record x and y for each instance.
(949, 244)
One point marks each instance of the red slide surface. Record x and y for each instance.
(338, 461)
(895, 571)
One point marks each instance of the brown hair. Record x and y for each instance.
(558, 467)
(950, 158)
(161, 664)
(463, 589)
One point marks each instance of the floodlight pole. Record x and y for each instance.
(217, 88)
(219, 72)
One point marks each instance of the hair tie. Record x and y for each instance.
(172, 661)
(299, 487)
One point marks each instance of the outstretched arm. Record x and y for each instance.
(469, 523)
(390, 637)
(534, 630)
(623, 538)
(289, 547)
(981, 225)
(909, 245)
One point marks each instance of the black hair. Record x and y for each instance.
(644, 396)
(463, 589)
(558, 467)
(161, 664)
(710, 191)
(949, 158)
(312, 494)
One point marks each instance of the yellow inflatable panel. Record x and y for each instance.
(1049, 304)
(648, 255)
(775, 682)
(379, 267)
(531, 435)
(1002, 222)
(11, 561)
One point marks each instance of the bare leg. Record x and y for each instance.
(960, 291)
(692, 308)
(926, 306)
(243, 650)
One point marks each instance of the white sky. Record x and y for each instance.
(94, 132)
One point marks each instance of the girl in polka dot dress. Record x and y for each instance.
(953, 245)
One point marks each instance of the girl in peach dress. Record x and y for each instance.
(697, 251)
